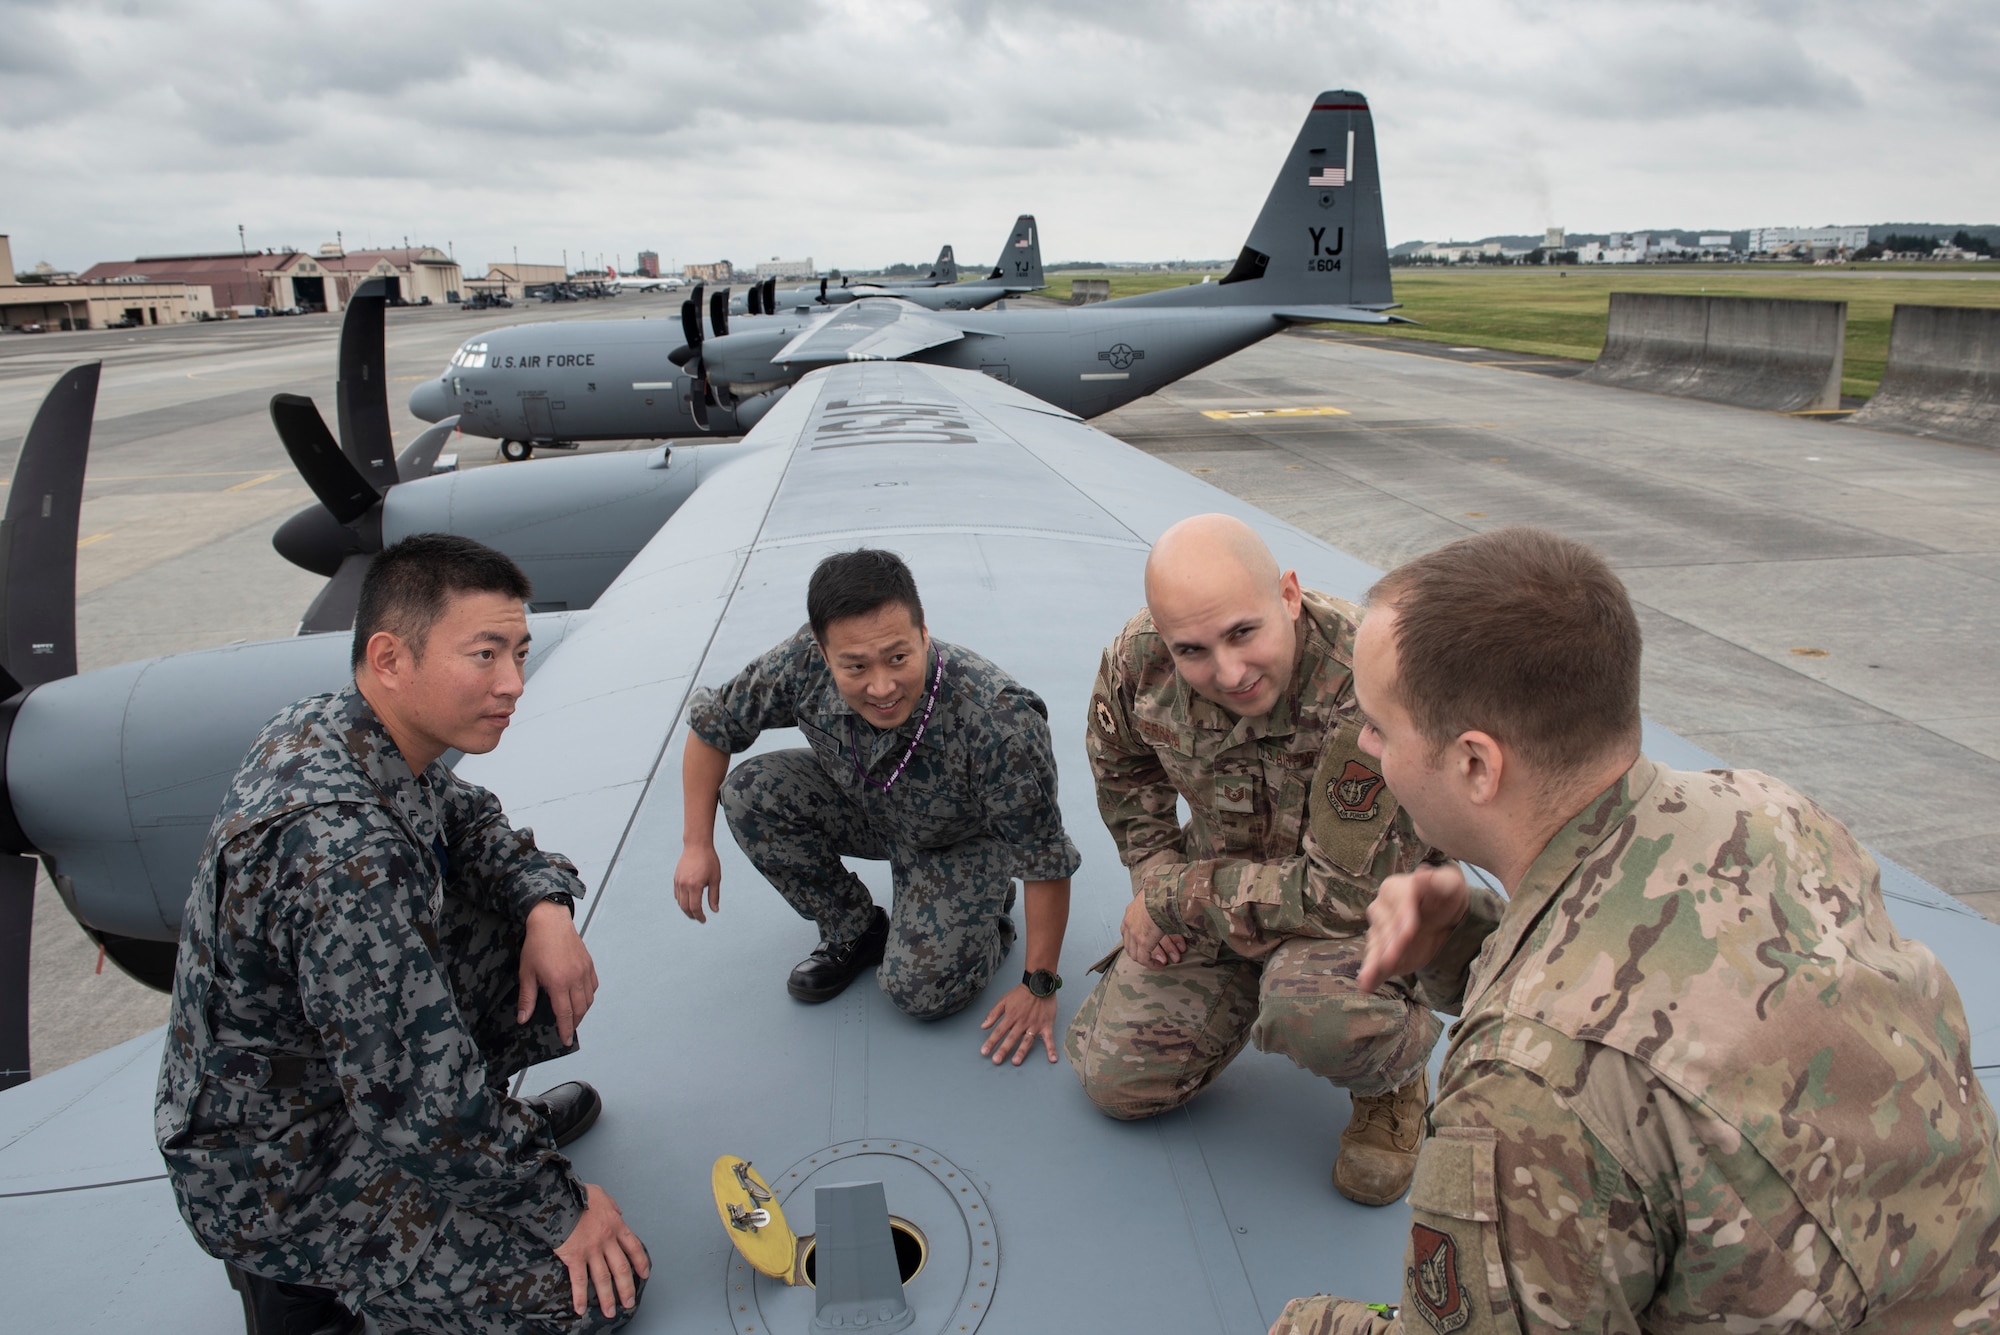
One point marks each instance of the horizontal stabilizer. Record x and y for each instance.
(1344, 314)
(870, 331)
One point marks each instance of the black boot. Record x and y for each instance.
(271, 1307)
(570, 1109)
(825, 974)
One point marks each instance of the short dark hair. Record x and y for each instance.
(1523, 634)
(410, 583)
(853, 584)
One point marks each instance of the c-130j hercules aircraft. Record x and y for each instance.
(1019, 1207)
(1018, 270)
(1317, 252)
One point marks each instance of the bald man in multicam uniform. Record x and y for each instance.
(1232, 690)
(1700, 1081)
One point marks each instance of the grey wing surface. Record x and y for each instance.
(876, 330)
(1028, 534)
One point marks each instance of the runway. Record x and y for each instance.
(1819, 601)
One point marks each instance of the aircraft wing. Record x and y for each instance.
(1027, 531)
(1342, 314)
(870, 331)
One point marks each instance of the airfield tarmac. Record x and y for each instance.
(1819, 601)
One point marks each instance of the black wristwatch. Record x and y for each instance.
(1041, 983)
(564, 898)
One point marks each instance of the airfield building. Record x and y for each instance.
(70, 303)
(1818, 240)
(512, 280)
(777, 268)
(722, 271)
(281, 279)
(649, 263)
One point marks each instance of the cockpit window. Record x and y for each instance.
(472, 356)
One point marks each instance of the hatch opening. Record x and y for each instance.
(912, 1250)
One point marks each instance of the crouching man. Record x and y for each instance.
(922, 753)
(370, 952)
(1231, 691)
(1701, 1083)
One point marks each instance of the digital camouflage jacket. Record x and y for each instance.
(1701, 1084)
(322, 1101)
(984, 767)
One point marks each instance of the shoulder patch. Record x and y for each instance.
(1100, 714)
(1433, 1280)
(1354, 793)
(1349, 807)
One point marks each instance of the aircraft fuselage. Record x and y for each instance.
(612, 380)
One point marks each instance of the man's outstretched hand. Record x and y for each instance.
(1017, 1021)
(602, 1252)
(1409, 921)
(698, 870)
(553, 960)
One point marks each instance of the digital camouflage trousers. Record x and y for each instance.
(946, 932)
(1150, 1037)
(482, 1274)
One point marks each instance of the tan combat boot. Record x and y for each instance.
(1378, 1150)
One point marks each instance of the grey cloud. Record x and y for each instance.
(860, 130)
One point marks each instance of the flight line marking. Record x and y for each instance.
(1237, 414)
(253, 482)
(95, 537)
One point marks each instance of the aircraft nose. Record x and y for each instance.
(431, 401)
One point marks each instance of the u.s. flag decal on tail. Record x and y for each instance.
(1334, 176)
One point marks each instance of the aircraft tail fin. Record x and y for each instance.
(946, 268)
(1020, 262)
(1319, 241)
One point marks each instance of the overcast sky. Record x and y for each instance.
(864, 133)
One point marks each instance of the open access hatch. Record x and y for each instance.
(946, 1248)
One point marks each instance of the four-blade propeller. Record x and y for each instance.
(340, 535)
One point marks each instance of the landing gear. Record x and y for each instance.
(514, 451)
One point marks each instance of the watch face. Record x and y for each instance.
(1042, 983)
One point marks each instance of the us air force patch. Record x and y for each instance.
(1433, 1278)
(1353, 793)
(1349, 807)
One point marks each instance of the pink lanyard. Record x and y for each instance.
(930, 703)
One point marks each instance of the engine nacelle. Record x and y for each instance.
(571, 526)
(115, 776)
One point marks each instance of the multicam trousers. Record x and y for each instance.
(1150, 1037)
(482, 1275)
(946, 932)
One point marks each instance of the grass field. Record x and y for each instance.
(1541, 311)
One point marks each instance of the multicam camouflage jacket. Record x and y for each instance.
(1292, 827)
(984, 766)
(1701, 1083)
(321, 1100)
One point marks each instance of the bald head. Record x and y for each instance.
(1204, 550)
(1226, 611)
